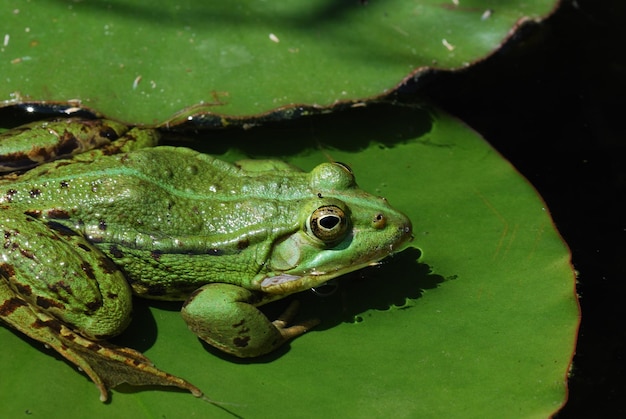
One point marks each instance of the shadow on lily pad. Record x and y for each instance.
(396, 284)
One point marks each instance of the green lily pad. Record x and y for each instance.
(479, 322)
(149, 64)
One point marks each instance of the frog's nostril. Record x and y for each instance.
(406, 228)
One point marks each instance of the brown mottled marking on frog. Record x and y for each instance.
(51, 324)
(108, 133)
(17, 161)
(84, 247)
(46, 303)
(66, 145)
(241, 341)
(10, 194)
(107, 265)
(24, 289)
(116, 252)
(88, 269)
(7, 270)
(27, 253)
(33, 213)
(9, 306)
(58, 214)
(94, 305)
(60, 285)
(94, 347)
(61, 229)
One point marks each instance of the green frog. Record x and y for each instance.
(93, 212)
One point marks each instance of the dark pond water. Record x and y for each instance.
(553, 103)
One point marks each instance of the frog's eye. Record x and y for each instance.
(344, 167)
(329, 223)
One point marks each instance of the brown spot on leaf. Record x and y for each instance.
(34, 193)
(243, 244)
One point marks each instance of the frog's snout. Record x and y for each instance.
(406, 232)
(402, 238)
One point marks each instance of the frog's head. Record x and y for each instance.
(341, 229)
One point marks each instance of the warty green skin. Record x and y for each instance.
(176, 224)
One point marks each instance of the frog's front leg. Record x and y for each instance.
(59, 289)
(226, 317)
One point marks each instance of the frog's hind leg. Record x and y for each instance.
(18, 314)
(40, 142)
(58, 288)
(105, 364)
(226, 317)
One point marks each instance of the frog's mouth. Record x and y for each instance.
(286, 283)
(300, 278)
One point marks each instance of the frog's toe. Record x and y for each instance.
(224, 316)
(290, 332)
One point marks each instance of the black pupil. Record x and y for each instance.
(329, 221)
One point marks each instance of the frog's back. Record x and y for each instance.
(173, 217)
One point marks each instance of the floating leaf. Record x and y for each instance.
(146, 63)
(480, 320)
